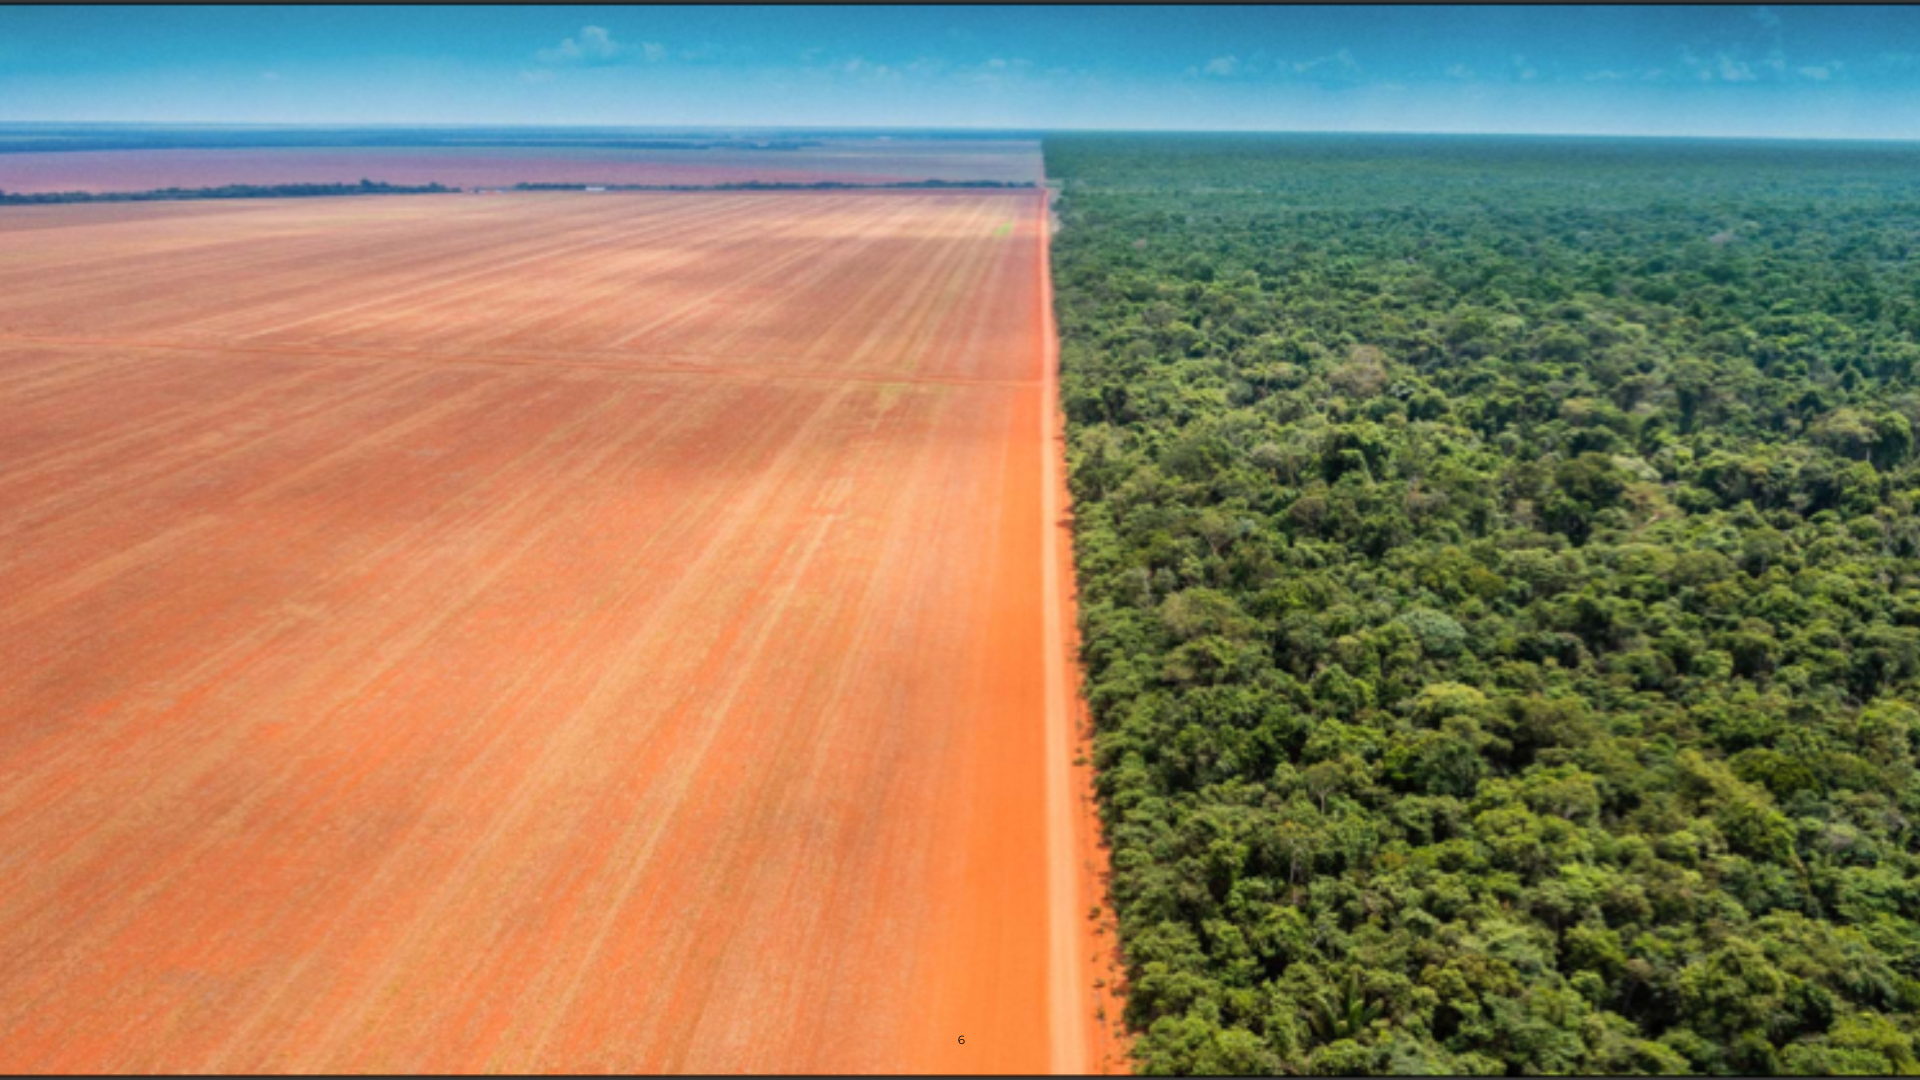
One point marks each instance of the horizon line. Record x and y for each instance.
(964, 129)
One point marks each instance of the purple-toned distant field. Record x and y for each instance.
(854, 161)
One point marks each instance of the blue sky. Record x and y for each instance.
(1779, 71)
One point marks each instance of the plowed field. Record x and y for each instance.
(528, 633)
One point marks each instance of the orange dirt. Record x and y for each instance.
(595, 632)
(1088, 1008)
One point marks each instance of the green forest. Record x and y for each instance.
(1500, 597)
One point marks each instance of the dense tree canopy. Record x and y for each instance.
(1501, 597)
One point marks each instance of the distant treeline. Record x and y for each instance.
(17, 137)
(372, 187)
(763, 185)
(649, 144)
(230, 191)
(55, 138)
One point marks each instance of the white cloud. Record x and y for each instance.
(860, 66)
(594, 45)
(1339, 62)
(1730, 66)
(1524, 71)
(1721, 67)
(1001, 63)
(1608, 75)
(1223, 66)
(1459, 71)
(1766, 18)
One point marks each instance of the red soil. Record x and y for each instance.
(864, 161)
(549, 632)
(1087, 1006)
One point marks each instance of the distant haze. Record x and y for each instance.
(1796, 72)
